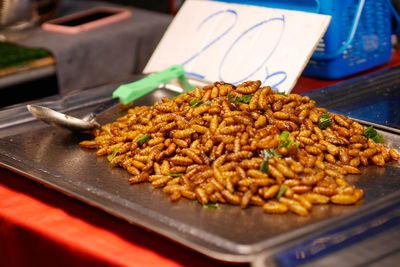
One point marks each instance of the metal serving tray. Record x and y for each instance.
(53, 157)
(370, 238)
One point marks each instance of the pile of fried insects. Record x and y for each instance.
(243, 145)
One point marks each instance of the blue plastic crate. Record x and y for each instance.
(358, 37)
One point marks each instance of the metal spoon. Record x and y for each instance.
(59, 119)
(125, 94)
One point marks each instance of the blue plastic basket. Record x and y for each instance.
(358, 37)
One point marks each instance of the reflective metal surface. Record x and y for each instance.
(374, 98)
(53, 157)
(59, 119)
(371, 240)
(89, 122)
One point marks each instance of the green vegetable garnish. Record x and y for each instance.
(211, 206)
(141, 140)
(267, 154)
(324, 121)
(244, 98)
(281, 93)
(110, 157)
(234, 100)
(284, 136)
(174, 174)
(264, 166)
(325, 116)
(289, 143)
(370, 132)
(282, 191)
(378, 139)
(195, 102)
(285, 142)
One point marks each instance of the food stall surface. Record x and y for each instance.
(42, 226)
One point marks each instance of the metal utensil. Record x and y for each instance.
(125, 94)
(59, 119)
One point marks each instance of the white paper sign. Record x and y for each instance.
(227, 42)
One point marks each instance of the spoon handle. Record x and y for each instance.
(130, 92)
(106, 105)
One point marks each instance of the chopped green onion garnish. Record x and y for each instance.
(110, 157)
(324, 124)
(281, 93)
(285, 142)
(284, 136)
(370, 132)
(211, 206)
(378, 139)
(264, 166)
(141, 140)
(288, 143)
(282, 191)
(174, 174)
(195, 102)
(324, 121)
(244, 98)
(325, 116)
(233, 100)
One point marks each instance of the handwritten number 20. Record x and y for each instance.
(204, 22)
(268, 76)
(245, 33)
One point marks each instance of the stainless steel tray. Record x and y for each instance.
(53, 157)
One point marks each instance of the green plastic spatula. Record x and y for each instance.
(127, 93)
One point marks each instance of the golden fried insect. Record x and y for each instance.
(243, 145)
(275, 207)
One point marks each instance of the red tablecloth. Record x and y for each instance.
(41, 227)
